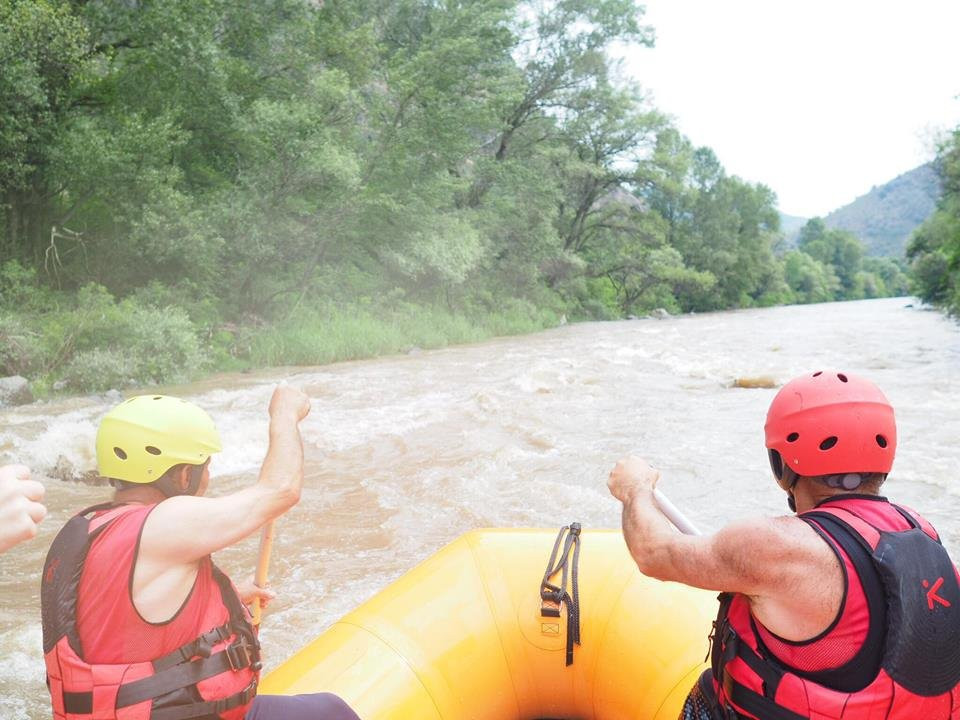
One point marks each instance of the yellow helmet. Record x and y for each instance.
(143, 437)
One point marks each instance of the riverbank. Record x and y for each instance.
(98, 344)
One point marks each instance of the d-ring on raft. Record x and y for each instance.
(461, 637)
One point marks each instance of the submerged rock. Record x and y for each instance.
(67, 471)
(753, 382)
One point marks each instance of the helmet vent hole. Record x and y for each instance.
(881, 441)
(793, 437)
(152, 450)
(818, 373)
(828, 443)
(843, 378)
(120, 453)
(157, 397)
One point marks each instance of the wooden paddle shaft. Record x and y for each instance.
(674, 515)
(262, 574)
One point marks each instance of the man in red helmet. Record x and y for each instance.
(850, 609)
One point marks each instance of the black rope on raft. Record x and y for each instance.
(553, 597)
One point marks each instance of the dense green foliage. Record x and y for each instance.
(934, 250)
(190, 185)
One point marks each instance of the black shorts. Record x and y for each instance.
(315, 706)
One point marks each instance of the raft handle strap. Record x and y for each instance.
(553, 597)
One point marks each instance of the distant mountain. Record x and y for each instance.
(886, 216)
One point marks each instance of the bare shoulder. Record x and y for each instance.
(183, 529)
(770, 556)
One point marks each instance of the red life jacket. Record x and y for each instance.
(143, 676)
(908, 665)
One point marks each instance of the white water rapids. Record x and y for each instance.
(406, 453)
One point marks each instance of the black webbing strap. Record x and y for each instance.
(78, 703)
(239, 617)
(767, 670)
(202, 646)
(232, 658)
(755, 703)
(211, 708)
(862, 668)
(552, 597)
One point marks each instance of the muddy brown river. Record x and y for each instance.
(406, 453)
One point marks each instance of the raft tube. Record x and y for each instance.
(461, 637)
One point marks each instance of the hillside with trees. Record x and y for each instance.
(195, 186)
(885, 217)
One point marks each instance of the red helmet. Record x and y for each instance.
(830, 423)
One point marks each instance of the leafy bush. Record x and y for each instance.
(99, 369)
(101, 343)
(20, 350)
(20, 290)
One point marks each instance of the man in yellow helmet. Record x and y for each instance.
(138, 623)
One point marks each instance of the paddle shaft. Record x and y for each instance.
(261, 576)
(678, 519)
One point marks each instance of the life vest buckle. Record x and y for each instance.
(241, 654)
(551, 597)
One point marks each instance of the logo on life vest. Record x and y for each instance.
(932, 596)
(51, 570)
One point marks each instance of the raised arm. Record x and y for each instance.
(183, 529)
(791, 576)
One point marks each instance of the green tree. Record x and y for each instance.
(810, 280)
(44, 55)
(839, 249)
(934, 249)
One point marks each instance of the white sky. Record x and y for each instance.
(818, 100)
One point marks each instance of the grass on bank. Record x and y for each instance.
(349, 333)
(91, 342)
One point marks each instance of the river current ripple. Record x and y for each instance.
(406, 453)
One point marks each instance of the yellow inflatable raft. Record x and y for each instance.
(462, 636)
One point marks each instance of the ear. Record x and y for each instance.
(183, 478)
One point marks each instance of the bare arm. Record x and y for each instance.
(792, 578)
(182, 530)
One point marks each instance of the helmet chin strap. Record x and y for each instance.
(794, 479)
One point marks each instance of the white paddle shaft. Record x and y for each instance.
(678, 519)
